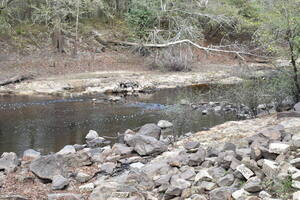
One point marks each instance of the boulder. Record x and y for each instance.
(240, 194)
(121, 149)
(295, 162)
(221, 193)
(191, 145)
(59, 182)
(108, 167)
(203, 175)
(296, 184)
(279, 148)
(253, 185)
(270, 168)
(177, 186)
(31, 154)
(188, 173)
(164, 124)
(217, 172)
(195, 159)
(145, 145)
(9, 162)
(245, 171)
(2, 178)
(296, 140)
(207, 186)
(97, 142)
(137, 165)
(198, 197)
(83, 177)
(66, 150)
(151, 130)
(225, 158)
(91, 135)
(64, 196)
(297, 107)
(226, 180)
(46, 167)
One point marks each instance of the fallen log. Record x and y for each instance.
(164, 45)
(15, 79)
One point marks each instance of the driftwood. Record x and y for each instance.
(164, 45)
(15, 79)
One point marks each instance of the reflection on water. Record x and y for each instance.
(49, 124)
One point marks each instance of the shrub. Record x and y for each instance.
(173, 59)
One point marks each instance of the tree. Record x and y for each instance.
(281, 33)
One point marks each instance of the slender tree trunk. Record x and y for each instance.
(295, 70)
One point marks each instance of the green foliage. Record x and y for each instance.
(141, 19)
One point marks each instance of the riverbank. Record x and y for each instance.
(251, 159)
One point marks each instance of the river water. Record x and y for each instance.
(48, 124)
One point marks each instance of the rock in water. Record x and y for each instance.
(9, 162)
(46, 167)
(150, 130)
(145, 145)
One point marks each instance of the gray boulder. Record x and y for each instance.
(122, 149)
(59, 182)
(9, 162)
(297, 107)
(253, 185)
(66, 150)
(221, 193)
(83, 177)
(46, 167)
(195, 159)
(227, 180)
(31, 154)
(191, 145)
(150, 130)
(145, 145)
(177, 186)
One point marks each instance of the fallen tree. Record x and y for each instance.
(168, 44)
(15, 79)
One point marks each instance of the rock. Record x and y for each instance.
(253, 185)
(244, 152)
(87, 187)
(225, 158)
(295, 162)
(151, 130)
(195, 159)
(164, 124)
(264, 195)
(296, 140)
(207, 186)
(245, 171)
(270, 168)
(227, 180)
(297, 107)
(64, 196)
(9, 162)
(145, 145)
(240, 194)
(46, 167)
(162, 179)
(221, 193)
(279, 148)
(188, 173)
(137, 165)
(217, 172)
(31, 154)
(296, 195)
(2, 178)
(108, 167)
(256, 153)
(83, 177)
(273, 133)
(198, 197)
(79, 147)
(122, 149)
(296, 176)
(203, 175)
(91, 135)
(74, 160)
(177, 186)
(66, 150)
(229, 147)
(59, 182)
(12, 197)
(191, 145)
(97, 142)
(296, 184)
